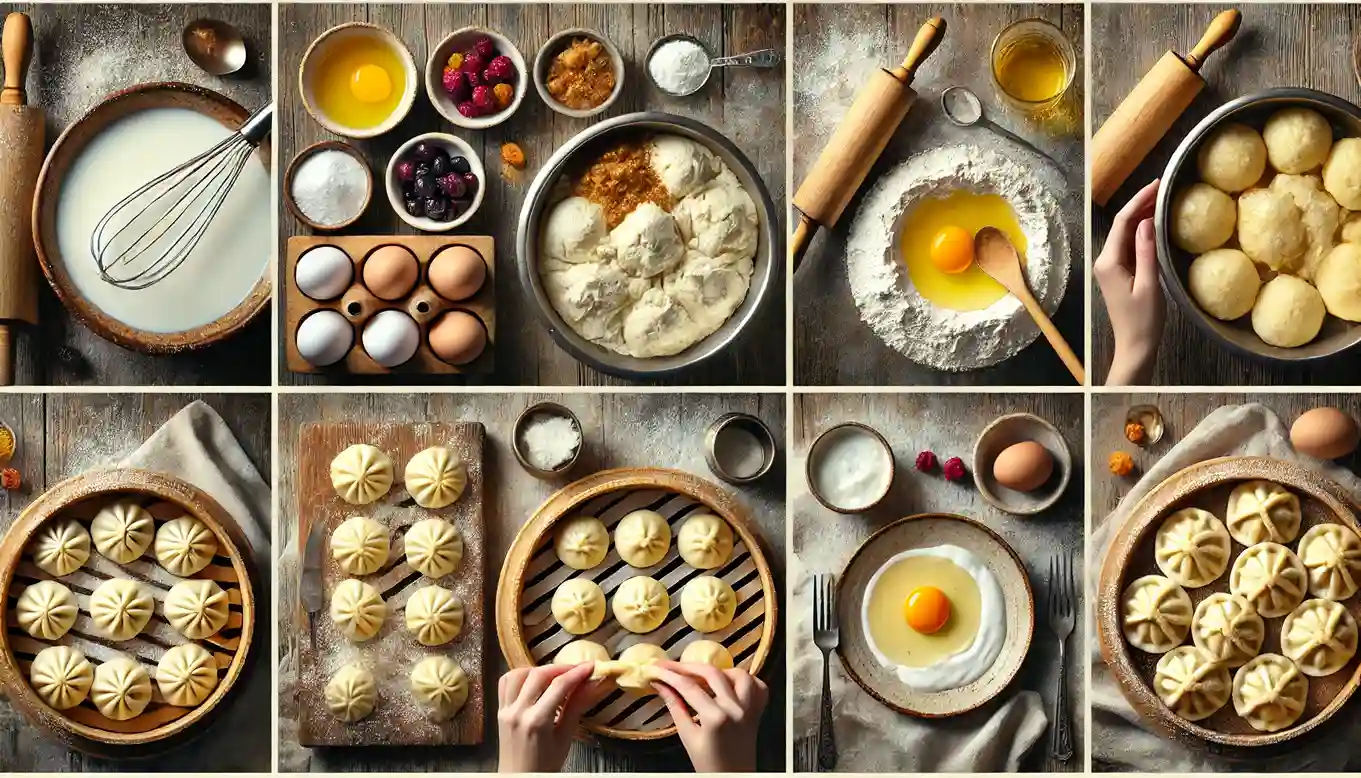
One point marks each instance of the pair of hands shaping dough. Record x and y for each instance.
(1127, 271)
(540, 708)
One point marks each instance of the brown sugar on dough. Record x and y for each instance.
(620, 180)
(634, 670)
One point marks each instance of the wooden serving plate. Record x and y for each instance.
(1207, 485)
(358, 304)
(396, 720)
(160, 726)
(524, 621)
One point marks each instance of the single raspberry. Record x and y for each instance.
(503, 93)
(473, 63)
(453, 185)
(926, 461)
(500, 71)
(485, 46)
(474, 79)
(456, 85)
(456, 60)
(471, 182)
(468, 110)
(954, 469)
(406, 172)
(484, 99)
(9, 479)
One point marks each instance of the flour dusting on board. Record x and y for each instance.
(835, 65)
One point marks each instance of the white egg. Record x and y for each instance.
(324, 338)
(391, 338)
(324, 273)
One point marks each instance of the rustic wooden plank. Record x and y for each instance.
(1279, 45)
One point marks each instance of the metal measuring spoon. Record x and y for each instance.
(963, 108)
(216, 47)
(763, 58)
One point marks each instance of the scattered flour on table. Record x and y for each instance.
(837, 64)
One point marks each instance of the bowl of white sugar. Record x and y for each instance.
(328, 185)
(547, 439)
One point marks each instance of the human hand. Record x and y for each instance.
(729, 710)
(1127, 271)
(540, 710)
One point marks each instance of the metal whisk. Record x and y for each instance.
(147, 235)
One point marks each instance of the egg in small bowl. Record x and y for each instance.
(358, 80)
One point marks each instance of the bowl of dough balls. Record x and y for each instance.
(1228, 603)
(133, 610)
(1256, 233)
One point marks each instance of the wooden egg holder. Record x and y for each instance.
(358, 304)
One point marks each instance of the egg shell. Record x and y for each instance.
(390, 272)
(1023, 466)
(458, 337)
(391, 338)
(457, 272)
(324, 273)
(1325, 433)
(324, 338)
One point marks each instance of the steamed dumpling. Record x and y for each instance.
(185, 546)
(704, 541)
(46, 610)
(61, 676)
(1190, 683)
(120, 609)
(122, 531)
(709, 653)
(186, 675)
(434, 547)
(640, 604)
(1270, 692)
(197, 608)
(351, 693)
(1271, 577)
(60, 547)
(1320, 637)
(436, 477)
(581, 542)
(357, 609)
(580, 651)
(1228, 629)
(579, 605)
(1261, 511)
(708, 603)
(360, 545)
(634, 670)
(361, 474)
(440, 685)
(121, 689)
(1157, 614)
(434, 615)
(643, 538)
(1331, 554)
(1192, 547)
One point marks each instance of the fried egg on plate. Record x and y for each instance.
(935, 616)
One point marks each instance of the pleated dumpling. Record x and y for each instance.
(60, 547)
(122, 531)
(640, 604)
(121, 689)
(1331, 554)
(1270, 692)
(704, 541)
(642, 538)
(1157, 614)
(579, 605)
(634, 670)
(1271, 577)
(351, 693)
(581, 542)
(1320, 637)
(186, 675)
(1192, 684)
(1192, 547)
(1228, 629)
(1261, 511)
(434, 547)
(436, 477)
(708, 603)
(440, 686)
(357, 609)
(360, 545)
(120, 609)
(185, 546)
(361, 474)
(61, 676)
(46, 610)
(580, 651)
(709, 653)
(434, 615)
(197, 608)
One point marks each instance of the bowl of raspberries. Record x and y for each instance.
(476, 78)
(435, 182)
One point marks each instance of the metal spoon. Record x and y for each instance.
(763, 58)
(963, 108)
(216, 47)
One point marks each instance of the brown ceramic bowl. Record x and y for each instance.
(1005, 432)
(302, 156)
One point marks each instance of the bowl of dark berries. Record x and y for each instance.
(476, 78)
(435, 182)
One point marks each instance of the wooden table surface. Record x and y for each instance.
(62, 435)
(82, 53)
(832, 345)
(948, 424)
(620, 430)
(1281, 45)
(746, 105)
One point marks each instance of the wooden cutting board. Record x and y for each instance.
(396, 720)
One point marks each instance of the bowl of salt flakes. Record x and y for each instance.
(328, 185)
(547, 439)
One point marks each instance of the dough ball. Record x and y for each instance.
(581, 542)
(186, 675)
(719, 221)
(1319, 213)
(591, 297)
(434, 547)
(1224, 283)
(659, 326)
(1271, 229)
(439, 685)
(122, 531)
(197, 608)
(360, 545)
(579, 605)
(634, 670)
(1202, 218)
(434, 615)
(710, 290)
(1342, 173)
(120, 608)
(361, 474)
(185, 546)
(436, 477)
(647, 242)
(708, 603)
(61, 546)
(351, 693)
(683, 165)
(640, 604)
(1339, 281)
(705, 541)
(581, 651)
(643, 538)
(357, 609)
(709, 653)
(1233, 158)
(121, 689)
(573, 231)
(1297, 140)
(61, 676)
(1289, 312)
(46, 610)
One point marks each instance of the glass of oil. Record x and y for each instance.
(1033, 64)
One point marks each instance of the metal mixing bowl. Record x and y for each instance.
(551, 186)
(1337, 336)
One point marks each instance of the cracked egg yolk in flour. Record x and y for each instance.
(360, 83)
(937, 245)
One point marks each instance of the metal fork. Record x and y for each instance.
(1062, 617)
(826, 636)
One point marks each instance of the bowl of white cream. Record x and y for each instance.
(850, 468)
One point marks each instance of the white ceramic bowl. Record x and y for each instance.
(462, 40)
(454, 147)
(543, 62)
(316, 53)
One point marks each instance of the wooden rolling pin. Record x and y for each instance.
(1150, 110)
(21, 159)
(859, 140)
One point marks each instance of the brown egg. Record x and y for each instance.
(390, 272)
(1325, 433)
(1023, 466)
(458, 337)
(457, 272)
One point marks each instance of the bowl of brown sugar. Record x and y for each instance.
(579, 72)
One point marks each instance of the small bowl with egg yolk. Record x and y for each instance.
(358, 80)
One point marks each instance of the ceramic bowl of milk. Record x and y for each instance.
(850, 468)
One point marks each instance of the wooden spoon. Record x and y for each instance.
(995, 256)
